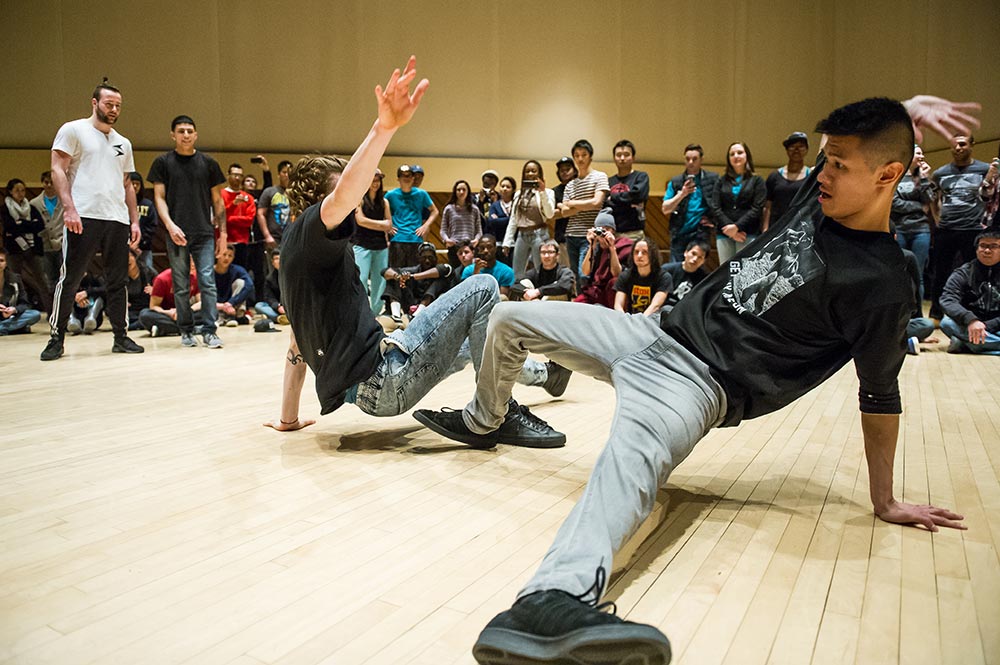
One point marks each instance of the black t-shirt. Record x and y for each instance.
(328, 306)
(683, 281)
(189, 180)
(794, 307)
(639, 290)
(370, 238)
(624, 194)
(780, 192)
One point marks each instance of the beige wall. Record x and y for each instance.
(509, 80)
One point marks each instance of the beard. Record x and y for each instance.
(103, 117)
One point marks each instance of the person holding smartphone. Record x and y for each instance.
(533, 209)
(687, 201)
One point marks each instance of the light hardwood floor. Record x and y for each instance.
(148, 517)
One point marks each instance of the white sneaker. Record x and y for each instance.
(913, 346)
(154, 331)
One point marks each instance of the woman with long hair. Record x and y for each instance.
(461, 221)
(533, 208)
(371, 240)
(739, 202)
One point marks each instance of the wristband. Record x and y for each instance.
(291, 423)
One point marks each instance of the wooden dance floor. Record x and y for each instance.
(148, 517)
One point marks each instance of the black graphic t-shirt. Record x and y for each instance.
(794, 307)
(639, 290)
(327, 306)
(683, 281)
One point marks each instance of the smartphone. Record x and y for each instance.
(256, 160)
(689, 178)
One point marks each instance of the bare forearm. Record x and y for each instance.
(295, 377)
(357, 176)
(880, 433)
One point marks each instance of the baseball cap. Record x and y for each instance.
(405, 168)
(796, 137)
(565, 160)
(417, 168)
(265, 325)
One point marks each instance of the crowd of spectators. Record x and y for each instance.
(583, 239)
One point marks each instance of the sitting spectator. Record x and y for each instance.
(148, 222)
(486, 263)
(50, 208)
(138, 288)
(500, 210)
(550, 281)
(241, 212)
(739, 203)
(410, 289)
(971, 300)
(642, 288)
(87, 314)
(271, 306)
(160, 319)
(602, 262)
(686, 274)
(22, 228)
(461, 221)
(918, 329)
(234, 288)
(16, 315)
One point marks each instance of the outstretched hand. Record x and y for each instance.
(929, 517)
(395, 103)
(288, 427)
(947, 118)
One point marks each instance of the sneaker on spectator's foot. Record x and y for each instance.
(913, 346)
(125, 345)
(519, 428)
(558, 379)
(557, 627)
(282, 320)
(188, 339)
(154, 331)
(212, 340)
(957, 345)
(54, 348)
(231, 323)
(73, 325)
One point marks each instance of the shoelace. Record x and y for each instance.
(596, 588)
(531, 420)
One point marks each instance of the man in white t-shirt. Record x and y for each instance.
(91, 164)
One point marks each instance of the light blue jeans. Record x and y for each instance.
(920, 244)
(265, 309)
(371, 263)
(22, 321)
(953, 328)
(429, 349)
(576, 247)
(528, 245)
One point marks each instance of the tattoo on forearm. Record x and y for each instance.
(294, 358)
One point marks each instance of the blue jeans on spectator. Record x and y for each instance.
(920, 327)
(918, 242)
(576, 246)
(22, 321)
(956, 330)
(203, 252)
(265, 309)
(422, 355)
(371, 264)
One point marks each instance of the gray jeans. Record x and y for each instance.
(437, 343)
(528, 245)
(666, 401)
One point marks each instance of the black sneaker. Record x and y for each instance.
(54, 349)
(558, 379)
(519, 428)
(125, 345)
(448, 423)
(556, 627)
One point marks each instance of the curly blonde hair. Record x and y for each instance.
(311, 179)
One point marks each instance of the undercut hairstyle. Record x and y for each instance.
(624, 143)
(694, 146)
(234, 165)
(541, 173)
(311, 179)
(102, 86)
(705, 249)
(882, 124)
(654, 254)
(182, 120)
(988, 234)
(454, 194)
(585, 144)
(730, 171)
(283, 163)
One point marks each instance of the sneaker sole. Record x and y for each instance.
(631, 644)
(558, 441)
(475, 440)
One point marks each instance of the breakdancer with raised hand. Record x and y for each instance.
(825, 285)
(333, 330)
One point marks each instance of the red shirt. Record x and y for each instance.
(163, 287)
(241, 211)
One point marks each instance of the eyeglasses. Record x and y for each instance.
(548, 251)
(991, 246)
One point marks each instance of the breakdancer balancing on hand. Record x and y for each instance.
(333, 330)
(825, 285)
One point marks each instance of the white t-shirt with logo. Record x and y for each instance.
(98, 164)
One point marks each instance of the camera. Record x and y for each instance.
(529, 184)
(600, 231)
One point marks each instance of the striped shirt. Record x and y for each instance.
(459, 223)
(579, 189)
